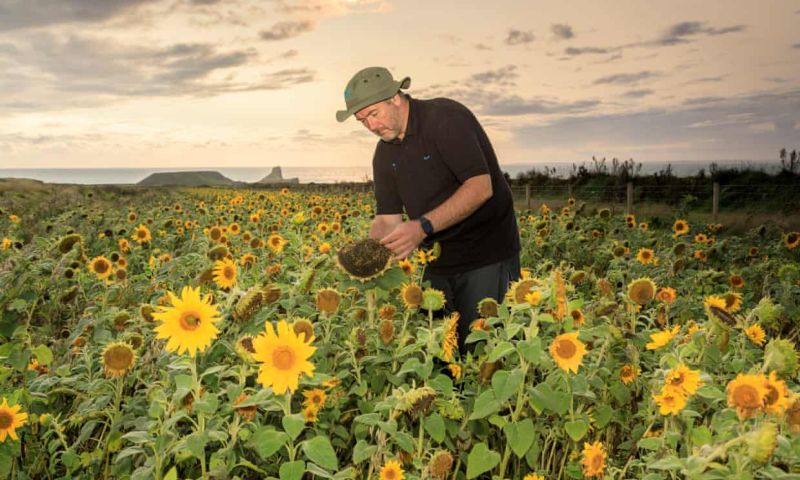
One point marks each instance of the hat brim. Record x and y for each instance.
(342, 115)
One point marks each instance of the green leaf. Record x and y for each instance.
(43, 354)
(172, 474)
(520, 436)
(266, 441)
(368, 419)
(701, 436)
(501, 350)
(484, 406)
(434, 425)
(196, 444)
(531, 350)
(207, 404)
(576, 429)
(481, 460)
(404, 441)
(551, 399)
(293, 425)
(652, 443)
(668, 463)
(505, 384)
(363, 451)
(602, 415)
(320, 451)
(293, 470)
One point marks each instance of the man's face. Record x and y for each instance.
(384, 119)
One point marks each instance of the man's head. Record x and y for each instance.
(372, 96)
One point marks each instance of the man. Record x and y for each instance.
(435, 162)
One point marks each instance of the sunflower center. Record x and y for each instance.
(141, 234)
(100, 267)
(118, 358)
(247, 344)
(675, 379)
(283, 357)
(6, 420)
(390, 474)
(627, 372)
(565, 349)
(228, 272)
(772, 395)
(190, 321)
(597, 462)
(746, 396)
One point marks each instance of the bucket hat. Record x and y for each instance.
(368, 86)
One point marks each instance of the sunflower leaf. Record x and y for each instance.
(292, 470)
(576, 429)
(293, 425)
(320, 451)
(266, 441)
(481, 460)
(520, 436)
(485, 405)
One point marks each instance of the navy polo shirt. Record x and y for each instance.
(444, 145)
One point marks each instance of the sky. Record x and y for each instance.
(250, 83)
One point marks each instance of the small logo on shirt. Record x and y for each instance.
(426, 157)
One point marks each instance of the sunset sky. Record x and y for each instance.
(213, 83)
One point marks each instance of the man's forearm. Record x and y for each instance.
(462, 203)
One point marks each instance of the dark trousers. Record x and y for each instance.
(463, 291)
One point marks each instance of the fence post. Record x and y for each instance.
(629, 204)
(528, 196)
(715, 203)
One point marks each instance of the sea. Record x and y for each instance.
(129, 176)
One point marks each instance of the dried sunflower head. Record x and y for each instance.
(364, 260)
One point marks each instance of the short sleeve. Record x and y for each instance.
(458, 141)
(387, 197)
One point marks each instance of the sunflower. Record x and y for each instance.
(578, 318)
(310, 414)
(283, 357)
(392, 471)
(132, 217)
(386, 331)
(756, 334)
(249, 412)
(733, 302)
(247, 260)
(328, 300)
(683, 378)
(101, 266)
(225, 273)
(10, 420)
(714, 301)
(455, 370)
(450, 337)
(442, 463)
(364, 260)
(433, 299)
(568, 351)
(778, 395)
(276, 243)
(661, 338)
(646, 256)
(701, 238)
(303, 326)
(666, 295)
(324, 247)
(792, 240)
(747, 393)
(628, 373)
(189, 324)
(215, 233)
(736, 281)
(407, 266)
(670, 400)
(642, 290)
(234, 228)
(533, 298)
(680, 227)
(244, 347)
(488, 307)
(118, 358)
(752, 252)
(141, 234)
(314, 398)
(594, 459)
(519, 289)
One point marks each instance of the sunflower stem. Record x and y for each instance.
(201, 419)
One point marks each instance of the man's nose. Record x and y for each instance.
(370, 123)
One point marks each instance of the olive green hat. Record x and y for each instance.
(370, 85)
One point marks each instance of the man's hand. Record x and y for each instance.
(404, 238)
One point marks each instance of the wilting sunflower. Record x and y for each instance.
(315, 397)
(189, 324)
(225, 273)
(283, 357)
(450, 337)
(141, 234)
(118, 358)
(594, 459)
(683, 378)
(392, 471)
(748, 394)
(666, 295)
(661, 338)
(488, 307)
(101, 266)
(792, 240)
(778, 396)
(578, 318)
(248, 412)
(642, 290)
(10, 420)
(305, 327)
(736, 281)
(364, 260)
(670, 400)
(756, 334)
(680, 227)
(646, 256)
(440, 465)
(568, 351)
(628, 373)
(328, 300)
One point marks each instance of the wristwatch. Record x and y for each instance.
(427, 226)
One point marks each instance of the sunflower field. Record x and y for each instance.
(251, 334)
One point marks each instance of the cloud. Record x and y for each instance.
(573, 51)
(19, 14)
(518, 37)
(702, 100)
(625, 78)
(638, 93)
(561, 31)
(288, 29)
(501, 76)
(482, 46)
(796, 45)
(679, 32)
(324, 8)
